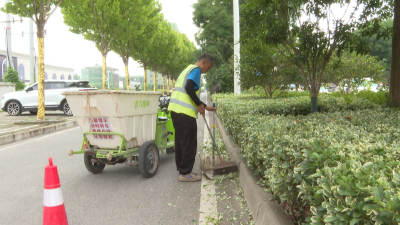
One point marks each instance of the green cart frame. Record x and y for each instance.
(146, 156)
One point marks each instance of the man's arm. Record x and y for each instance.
(192, 93)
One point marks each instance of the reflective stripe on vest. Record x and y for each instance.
(176, 101)
(180, 101)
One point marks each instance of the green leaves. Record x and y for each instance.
(354, 221)
(378, 193)
(265, 66)
(294, 28)
(324, 160)
(12, 76)
(27, 8)
(131, 28)
(350, 69)
(215, 36)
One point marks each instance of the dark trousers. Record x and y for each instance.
(185, 141)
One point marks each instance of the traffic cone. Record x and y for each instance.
(53, 202)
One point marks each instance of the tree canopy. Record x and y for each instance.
(214, 18)
(295, 29)
(351, 69)
(133, 29)
(100, 20)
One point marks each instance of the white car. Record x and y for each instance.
(27, 100)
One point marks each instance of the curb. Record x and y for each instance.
(47, 122)
(263, 210)
(10, 138)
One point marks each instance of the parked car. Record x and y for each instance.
(27, 100)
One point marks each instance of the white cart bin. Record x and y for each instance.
(130, 113)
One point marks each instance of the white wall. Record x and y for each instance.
(58, 71)
(5, 88)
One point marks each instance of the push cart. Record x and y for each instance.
(129, 127)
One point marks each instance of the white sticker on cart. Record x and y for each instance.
(101, 124)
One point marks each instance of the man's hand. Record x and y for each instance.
(201, 110)
(210, 108)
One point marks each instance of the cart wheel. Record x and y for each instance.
(148, 159)
(93, 167)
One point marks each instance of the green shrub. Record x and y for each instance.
(295, 94)
(12, 76)
(380, 97)
(343, 164)
(252, 104)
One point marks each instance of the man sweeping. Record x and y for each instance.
(184, 106)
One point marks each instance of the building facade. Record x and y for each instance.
(94, 75)
(22, 65)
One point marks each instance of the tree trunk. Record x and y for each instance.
(155, 81)
(145, 78)
(314, 96)
(394, 91)
(163, 84)
(168, 86)
(314, 106)
(127, 77)
(40, 112)
(104, 71)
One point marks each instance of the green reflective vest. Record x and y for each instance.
(180, 101)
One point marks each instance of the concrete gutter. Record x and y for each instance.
(263, 210)
(10, 138)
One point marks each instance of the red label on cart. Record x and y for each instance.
(101, 124)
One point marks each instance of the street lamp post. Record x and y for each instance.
(236, 32)
(8, 40)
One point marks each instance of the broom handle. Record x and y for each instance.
(214, 144)
(209, 131)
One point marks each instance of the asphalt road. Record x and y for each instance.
(118, 195)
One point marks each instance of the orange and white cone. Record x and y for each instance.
(53, 201)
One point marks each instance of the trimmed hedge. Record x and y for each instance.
(255, 105)
(343, 166)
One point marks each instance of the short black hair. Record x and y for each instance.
(207, 57)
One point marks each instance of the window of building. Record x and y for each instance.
(45, 76)
(54, 76)
(69, 77)
(21, 71)
(62, 77)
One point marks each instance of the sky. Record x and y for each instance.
(64, 48)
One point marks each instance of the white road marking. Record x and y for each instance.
(208, 201)
(13, 145)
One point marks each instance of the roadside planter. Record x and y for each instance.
(336, 167)
(122, 127)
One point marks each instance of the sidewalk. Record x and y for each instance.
(17, 128)
(264, 211)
